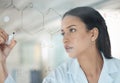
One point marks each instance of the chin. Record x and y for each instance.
(72, 55)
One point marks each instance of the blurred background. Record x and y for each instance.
(37, 24)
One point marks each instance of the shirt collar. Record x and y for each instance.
(108, 67)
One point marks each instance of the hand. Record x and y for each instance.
(4, 52)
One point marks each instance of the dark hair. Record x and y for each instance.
(92, 19)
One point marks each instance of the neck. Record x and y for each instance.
(91, 62)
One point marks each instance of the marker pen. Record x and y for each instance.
(10, 38)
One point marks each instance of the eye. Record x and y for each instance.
(72, 30)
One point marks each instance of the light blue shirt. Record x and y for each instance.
(70, 72)
(9, 79)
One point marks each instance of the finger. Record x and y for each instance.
(1, 40)
(3, 32)
(3, 36)
(8, 48)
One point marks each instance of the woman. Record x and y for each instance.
(86, 41)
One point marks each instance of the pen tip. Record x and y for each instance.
(13, 32)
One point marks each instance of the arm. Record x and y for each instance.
(4, 52)
(3, 73)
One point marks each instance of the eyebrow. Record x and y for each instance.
(68, 27)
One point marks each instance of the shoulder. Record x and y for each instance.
(114, 61)
(114, 67)
(59, 74)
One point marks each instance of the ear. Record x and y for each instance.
(94, 34)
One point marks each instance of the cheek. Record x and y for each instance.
(82, 42)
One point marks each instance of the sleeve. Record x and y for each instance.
(58, 75)
(9, 79)
(49, 79)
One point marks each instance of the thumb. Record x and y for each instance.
(12, 44)
(9, 48)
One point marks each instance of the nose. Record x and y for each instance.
(65, 38)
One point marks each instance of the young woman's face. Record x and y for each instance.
(76, 37)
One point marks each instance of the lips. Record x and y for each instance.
(68, 48)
